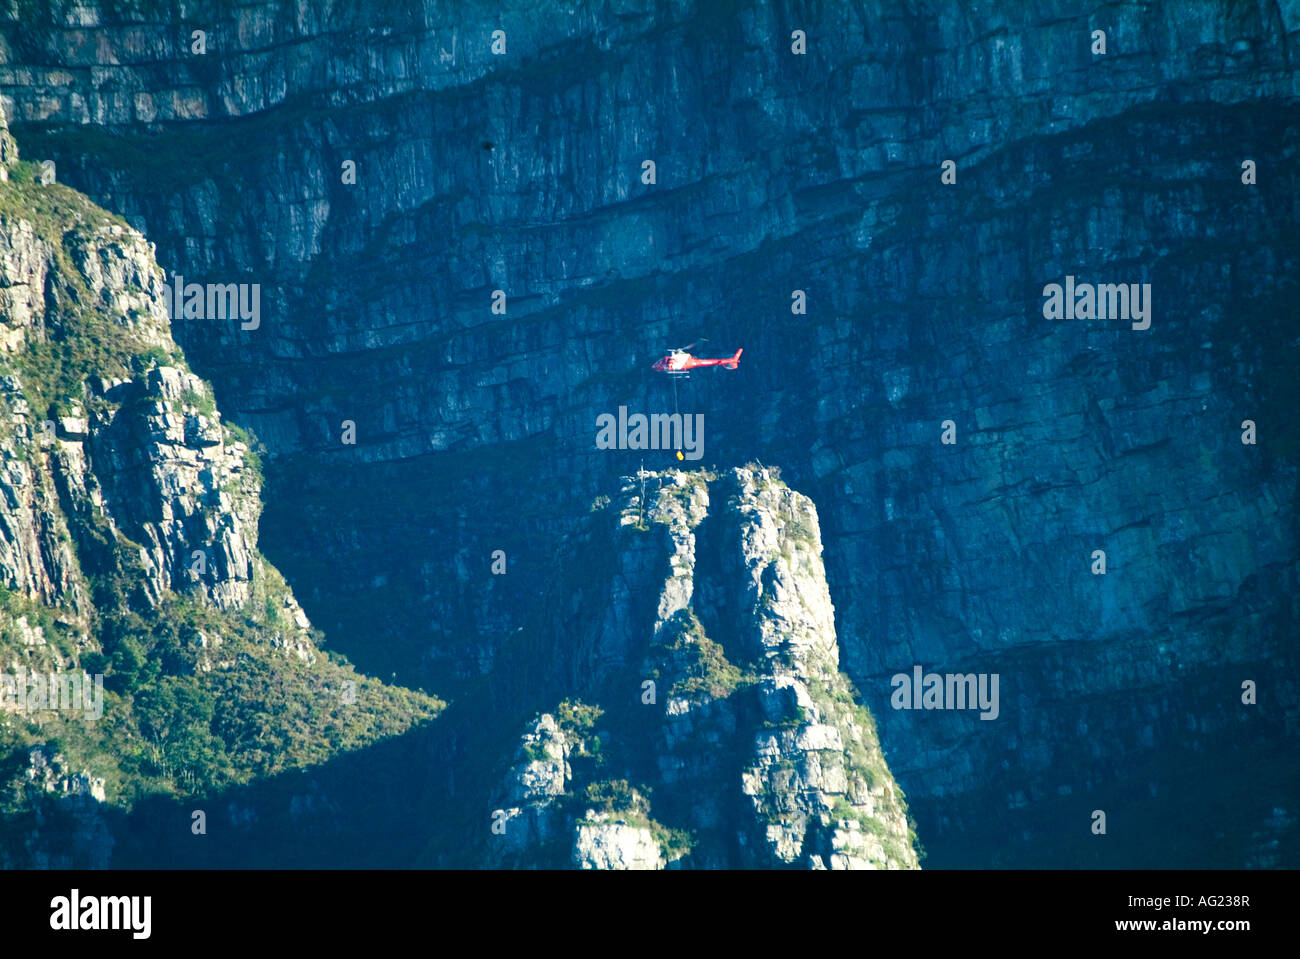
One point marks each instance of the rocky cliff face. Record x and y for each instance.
(145, 644)
(67, 829)
(110, 447)
(775, 172)
(742, 739)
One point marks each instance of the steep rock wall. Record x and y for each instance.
(775, 173)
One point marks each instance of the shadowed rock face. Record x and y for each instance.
(774, 173)
(742, 744)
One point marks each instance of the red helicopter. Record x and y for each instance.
(680, 361)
